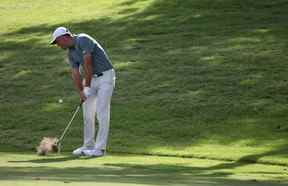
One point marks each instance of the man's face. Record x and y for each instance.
(64, 42)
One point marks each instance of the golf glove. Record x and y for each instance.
(87, 91)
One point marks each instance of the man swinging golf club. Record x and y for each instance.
(95, 90)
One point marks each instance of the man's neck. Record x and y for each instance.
(73, 42)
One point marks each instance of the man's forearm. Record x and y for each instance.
(88, 69)
(77, 80)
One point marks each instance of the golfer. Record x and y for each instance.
(95, 88)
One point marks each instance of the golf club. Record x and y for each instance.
(59, 143)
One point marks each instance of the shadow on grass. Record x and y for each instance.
(255, 158)
(188, 71)
(158, 174)
(50, 159)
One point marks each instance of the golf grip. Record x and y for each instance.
(70, 122)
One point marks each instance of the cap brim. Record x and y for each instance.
(53, 42)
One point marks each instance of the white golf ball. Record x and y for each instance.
(60, 101)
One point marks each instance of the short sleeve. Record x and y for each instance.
(86, 45)
(72, 62)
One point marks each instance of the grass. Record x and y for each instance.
(131, 170)
(196, 78)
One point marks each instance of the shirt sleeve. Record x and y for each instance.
(73, 63)
(86, 45)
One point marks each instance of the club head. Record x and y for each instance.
(47, 144)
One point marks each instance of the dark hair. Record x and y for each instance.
(67, 35)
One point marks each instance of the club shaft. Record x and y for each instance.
(69, 124)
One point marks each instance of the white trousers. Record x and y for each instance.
(98, 104)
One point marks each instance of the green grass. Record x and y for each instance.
(131, 170)
(197, 78)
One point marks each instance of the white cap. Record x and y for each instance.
(60, 31)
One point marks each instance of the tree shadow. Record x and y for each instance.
(156, 174)
(255, 158)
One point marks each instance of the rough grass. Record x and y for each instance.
(199, 78)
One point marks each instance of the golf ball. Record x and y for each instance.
(60, 101)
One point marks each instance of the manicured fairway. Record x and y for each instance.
(133, 170)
